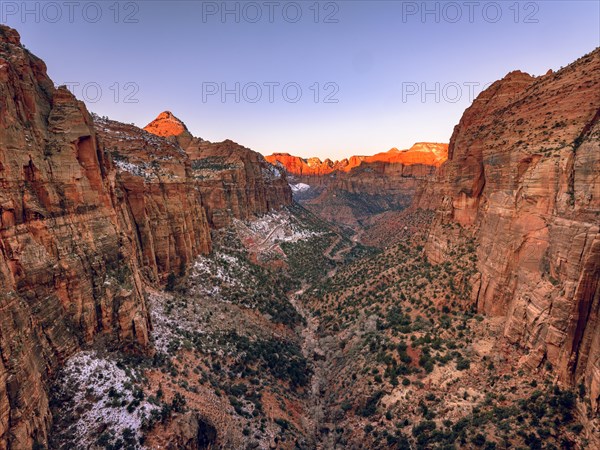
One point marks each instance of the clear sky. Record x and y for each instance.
(374, 57)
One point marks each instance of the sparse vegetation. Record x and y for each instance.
(398, 331)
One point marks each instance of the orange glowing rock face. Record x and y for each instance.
(426, 153)
(166, 125)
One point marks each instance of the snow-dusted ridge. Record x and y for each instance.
(275, 227)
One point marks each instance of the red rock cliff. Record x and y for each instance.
(89, 212)
(158, 198)
(312, 170)
(67, 266)
(524, 175)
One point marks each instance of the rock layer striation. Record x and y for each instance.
(92, 210)
(524, 175)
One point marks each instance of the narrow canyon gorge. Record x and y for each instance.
(158, 290)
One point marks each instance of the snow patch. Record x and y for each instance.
(274, 228)
(133, 169)
(101, 393)
(299, 187)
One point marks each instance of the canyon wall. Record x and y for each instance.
(67, 267)
(157, 197)
(523, 175)
(90, 211)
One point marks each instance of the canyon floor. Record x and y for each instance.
(292, 334)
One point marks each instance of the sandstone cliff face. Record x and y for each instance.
(234, 182)
(88, 214)
(158, 200)
(356, 196)
(310, 171)
(67, 271)
(524, 175)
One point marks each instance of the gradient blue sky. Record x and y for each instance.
(369, 53)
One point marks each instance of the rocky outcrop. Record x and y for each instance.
(192, 432)
(311, 171)
(523, 175)
(234, 182)
(170, 127)
(67, 268)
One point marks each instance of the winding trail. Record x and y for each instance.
(339, 255)
(327, 252)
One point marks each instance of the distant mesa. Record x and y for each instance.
(425, 153)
